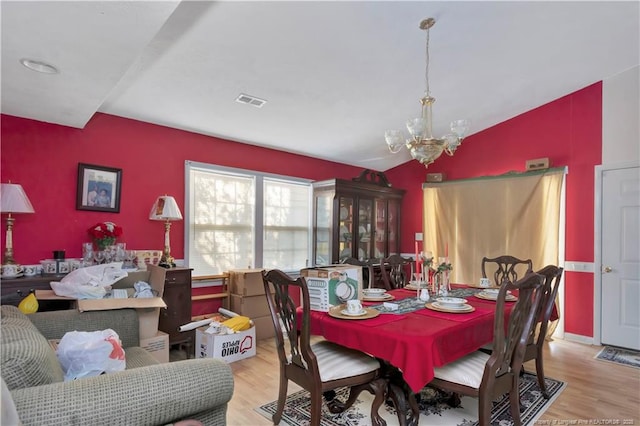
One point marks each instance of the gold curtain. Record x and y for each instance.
(515, 214)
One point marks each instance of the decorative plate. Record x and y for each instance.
(344, 213)
(434, 306)
(379, 298)
(336, 312)
(494, 296)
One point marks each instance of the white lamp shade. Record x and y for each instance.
(165, 208)
(14, 199)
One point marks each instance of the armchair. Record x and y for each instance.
(146, 393)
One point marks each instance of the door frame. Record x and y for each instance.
(597, 243)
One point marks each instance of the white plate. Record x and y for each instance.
(378, 298)
(373, 291)
(357, 314)
(450, 302)
(344, 213)
(494, 296)
(451, 307)
(13, 276)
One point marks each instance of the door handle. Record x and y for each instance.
(607, 269)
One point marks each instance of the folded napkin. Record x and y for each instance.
(461, 317)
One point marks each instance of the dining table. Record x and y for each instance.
(414, 339)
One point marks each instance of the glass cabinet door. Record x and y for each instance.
(323, 229)
(380, 234)
(393, 217)
(346, 224)
(365, 217)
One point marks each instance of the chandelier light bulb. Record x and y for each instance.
(395, 140)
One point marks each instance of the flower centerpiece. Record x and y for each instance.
(442, 276)
(104, 234)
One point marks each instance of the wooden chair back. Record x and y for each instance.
(292, 339)
(509, 342)
(305, 364)
(502, 368)
(395, 271)
(535, 344)
(505, 267)
(368, 274)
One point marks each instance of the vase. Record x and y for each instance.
(103, 243)
(443, 287)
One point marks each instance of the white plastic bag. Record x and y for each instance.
(89, 282)
(143, 290)
(90, 353)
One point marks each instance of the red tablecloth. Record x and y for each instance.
(417, 342)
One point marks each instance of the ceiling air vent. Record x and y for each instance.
(250, 100)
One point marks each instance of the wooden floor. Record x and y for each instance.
(597, 392)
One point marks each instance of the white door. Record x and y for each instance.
(620, 290)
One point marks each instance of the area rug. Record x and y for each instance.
(619, 356)
(433, 408)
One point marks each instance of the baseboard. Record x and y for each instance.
(578, 338)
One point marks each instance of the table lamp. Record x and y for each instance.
(12, 200)
(165, 208)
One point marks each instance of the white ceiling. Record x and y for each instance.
(335, 74)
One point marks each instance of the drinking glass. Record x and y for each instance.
(99, 257)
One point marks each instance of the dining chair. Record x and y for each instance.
(485, 376)
(506, 267)
(368, 274)
(535, 344)
(319, 368)
(395, 271)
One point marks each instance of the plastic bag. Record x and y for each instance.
(89, 282)
(90, 353)
(143, 290)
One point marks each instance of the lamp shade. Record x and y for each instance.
(14, 199)
(165, 208)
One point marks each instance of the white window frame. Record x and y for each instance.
(258, 216)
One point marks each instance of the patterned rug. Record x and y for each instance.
(433, 408)
(619, 356)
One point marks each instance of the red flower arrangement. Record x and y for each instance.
(104, 234)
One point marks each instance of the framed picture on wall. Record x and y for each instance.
(98, 188)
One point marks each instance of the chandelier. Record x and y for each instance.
(422, 145)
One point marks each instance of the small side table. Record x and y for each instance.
(177, 296)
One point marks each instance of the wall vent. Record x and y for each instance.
(537, 164)
(250, 100)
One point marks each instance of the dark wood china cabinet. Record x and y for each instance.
(357, 218)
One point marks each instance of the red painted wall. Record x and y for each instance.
(569, 132)
(44, 157)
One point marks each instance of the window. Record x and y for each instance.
(227, 209)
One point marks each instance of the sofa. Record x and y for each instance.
(146, 393)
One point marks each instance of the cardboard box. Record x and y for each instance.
(250, 306)
(246, 282)
(148, 308)
(157, 345)
(332, 285)
(227, 347)
(264, 327)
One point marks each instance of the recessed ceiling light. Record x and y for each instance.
(39, 66)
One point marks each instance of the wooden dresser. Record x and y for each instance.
(177, 296)
(13, 290)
